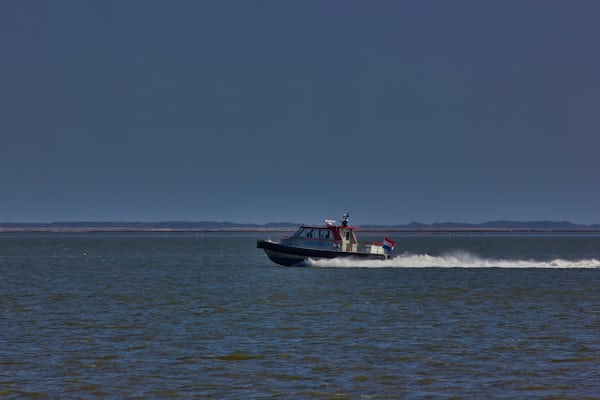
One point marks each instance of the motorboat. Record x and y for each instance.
(317, 242)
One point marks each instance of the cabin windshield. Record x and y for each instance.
(306, 233)
(299, 232)
(313, 233)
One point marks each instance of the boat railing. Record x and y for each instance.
(370, 248)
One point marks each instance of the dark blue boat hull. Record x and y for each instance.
(296, 256)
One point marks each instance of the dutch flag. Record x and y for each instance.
(388, 244)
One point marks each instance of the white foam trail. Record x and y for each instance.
(453, 260)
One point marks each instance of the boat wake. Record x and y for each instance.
(451, 260)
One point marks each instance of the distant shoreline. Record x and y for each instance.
(499, 226)
(390, 229)
(126, 229)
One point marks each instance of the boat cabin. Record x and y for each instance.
(328, 237)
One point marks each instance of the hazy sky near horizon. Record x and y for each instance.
(266, 111)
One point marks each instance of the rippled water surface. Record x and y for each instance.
(152, 316)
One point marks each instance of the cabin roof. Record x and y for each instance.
(329, 226)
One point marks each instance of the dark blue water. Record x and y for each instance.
(211, 317)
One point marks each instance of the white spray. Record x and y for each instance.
(451, 260)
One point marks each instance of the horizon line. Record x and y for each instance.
(124, 223)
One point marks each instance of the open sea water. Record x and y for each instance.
(210, 317)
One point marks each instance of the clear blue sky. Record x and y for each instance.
(260, 111)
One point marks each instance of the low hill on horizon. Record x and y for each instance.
(499, 224)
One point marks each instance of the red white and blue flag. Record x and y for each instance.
(388, 244)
